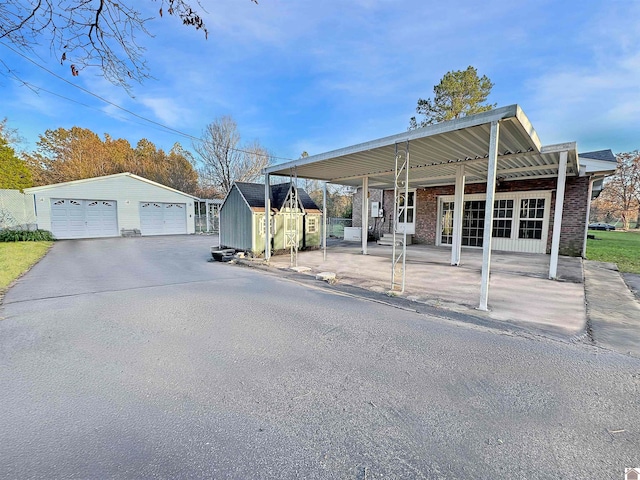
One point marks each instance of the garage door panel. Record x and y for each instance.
(151, 218)
(101, 218)
(163, 218)
(73, 218)
(175, 220)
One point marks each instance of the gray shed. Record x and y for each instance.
(242, 218)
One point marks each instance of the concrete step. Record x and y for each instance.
(387, 239)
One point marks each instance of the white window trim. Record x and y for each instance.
(261, 226)
(312, 220)
(516, 196)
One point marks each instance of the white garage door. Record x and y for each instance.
(163, 218)
(72, 218)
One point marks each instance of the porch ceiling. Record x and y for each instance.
(436, 150)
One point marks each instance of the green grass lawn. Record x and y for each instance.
(622, 248)
(17, 257)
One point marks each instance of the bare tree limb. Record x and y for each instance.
(86, 33)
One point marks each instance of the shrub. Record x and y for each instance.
(26, 236)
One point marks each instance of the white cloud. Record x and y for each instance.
(596, 95)
(166, 109)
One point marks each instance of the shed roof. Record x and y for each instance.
(253, 193)
(435, 151)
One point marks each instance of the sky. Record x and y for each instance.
(314, 76)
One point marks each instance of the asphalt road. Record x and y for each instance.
(136, 358)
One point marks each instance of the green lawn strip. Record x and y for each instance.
(17, 258)
(621, 248)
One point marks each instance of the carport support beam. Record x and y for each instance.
(267, 218)
(325, 221)
(557, 216)
(488, 215)
(458, 212)
(206, 211)
(586, 223)
(365, 214)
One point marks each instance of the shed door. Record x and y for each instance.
(72, 218)
(158, 218)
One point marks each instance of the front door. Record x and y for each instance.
(406, 215)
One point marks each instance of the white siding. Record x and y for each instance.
(128, 192)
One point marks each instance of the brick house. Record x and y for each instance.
(431, 185)
(432, 211)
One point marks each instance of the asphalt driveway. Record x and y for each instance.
(136, 358)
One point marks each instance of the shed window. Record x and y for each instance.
(312, 225)
(262, 226)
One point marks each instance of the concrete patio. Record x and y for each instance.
(520, 291)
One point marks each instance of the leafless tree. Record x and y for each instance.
(224, 160)
(621, 194)
(84, 33)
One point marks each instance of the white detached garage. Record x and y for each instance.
(106, 206)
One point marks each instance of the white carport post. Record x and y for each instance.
(325, 221)
(586, 223)
(557, 215)
(206, 211)
(365, 214)
(458, 212)
(267, 218)
(488, 215)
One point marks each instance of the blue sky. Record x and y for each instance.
(302, 75)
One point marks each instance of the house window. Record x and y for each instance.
(531, 218)
(406, 209)
(312, 225)
(502, 218)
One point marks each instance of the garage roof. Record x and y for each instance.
(435, 150)
(97, 179)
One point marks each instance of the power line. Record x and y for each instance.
(166, 127)
(37, 88)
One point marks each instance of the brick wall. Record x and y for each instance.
(573, 218)
(375, 225)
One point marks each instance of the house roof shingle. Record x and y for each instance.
(605, 155)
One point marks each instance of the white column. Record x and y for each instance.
(365, 214)
(557, 216)
(586, 225)
(325, 222)
(206, 209)
(458, 212)
(267, 218)
(488, 215)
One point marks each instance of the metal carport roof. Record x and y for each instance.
(435, 151)
(500, 144)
